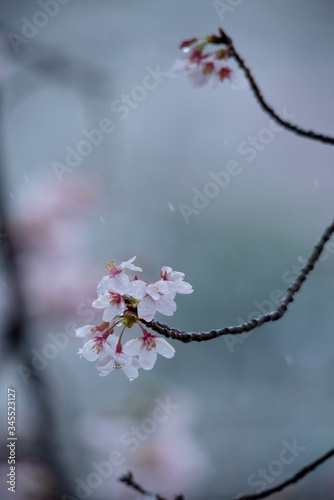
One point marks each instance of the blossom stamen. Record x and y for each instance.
(150, 344)
(113, 270)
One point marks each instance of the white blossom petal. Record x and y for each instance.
(170, 275)
(133, 347)
(113, 310)
(179, 65)
(147, 359)
(130, 371)
(166, 305)
(137, 289)
(105, 366)
(128, 265)
(104, 285)
(89, 350)
(122, 358)
(146, 308)
(83, 330)
(196, 75)
(164, 348)
(111, 344)
(120, 283)
(89, 336)
(102, 301)
(115, 284)
(183, 287)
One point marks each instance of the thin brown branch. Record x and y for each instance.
(294, 479)
(128, 479)
(226, 40)
(275, 315)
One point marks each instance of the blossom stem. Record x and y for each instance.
(226, 40)
(275, 315)
(119, 343)
(145, 332)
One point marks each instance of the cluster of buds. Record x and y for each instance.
(126, 302)
(202, 67)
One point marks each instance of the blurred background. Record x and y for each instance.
(102, 155)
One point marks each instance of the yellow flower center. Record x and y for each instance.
(150, 344)
(97, 346)
(111, 266)
(114, 298)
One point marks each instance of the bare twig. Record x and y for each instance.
(275, 315)
(226, 40)
(294, 479)
(129, 480)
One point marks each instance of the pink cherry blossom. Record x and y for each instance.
(202, 67)
(147, 347)
(51, 229)
(113, 360)
(96, 343)
(127, 302)
(202, 70)
(114, 270)
(176, 280)
(113, 304)
(118, 283)
(158, 297)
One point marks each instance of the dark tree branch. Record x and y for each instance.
(176, 334)
(226, 40)
(275, 315)
(129, 480)
(294, 479)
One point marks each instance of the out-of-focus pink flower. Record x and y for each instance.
(36, 482)
(50, 233)
(203, 70)
(202, 67)
(167, 458)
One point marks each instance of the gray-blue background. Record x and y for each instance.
(242, 399)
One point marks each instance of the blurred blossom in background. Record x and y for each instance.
(77, 198)
(50, 225)
(154, 436)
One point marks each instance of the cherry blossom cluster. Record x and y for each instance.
(202, 67)
(126, 302)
